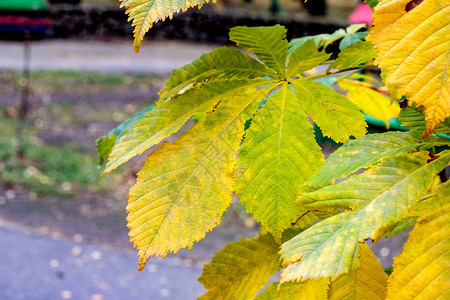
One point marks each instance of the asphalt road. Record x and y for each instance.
(41, 268)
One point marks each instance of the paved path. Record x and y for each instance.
(42, 268)
(117, 56)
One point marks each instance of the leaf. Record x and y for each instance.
(241, 269)
(362, 153)
(422, 271)
(337, 117)
(183, 188)
(368, 282)
(279, 153)
(412, 118)
(370, 101)
(221, 63)
(268, 43)
(413, 53)
(325, 39)
(169, 116)
(144, 13)
(354, 55)
(107, 142)
(308, 290)
(320, 40)
(372, 3)
(305, 58)
(353, 38)
(402, 226)
(380, 197)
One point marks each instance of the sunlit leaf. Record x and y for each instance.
(370, 101)
(354, 55)
(422, 271)
(241, 269)
(413, 53)
(337, 117)
(380, 199)
(169, 116)
(183, 188)
(368, 282)
(144, 13)
(268, 43)
(279, 153)
(308, 290)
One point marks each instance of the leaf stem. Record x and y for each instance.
(340, 71)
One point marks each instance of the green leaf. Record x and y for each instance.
(320, 40)
(169, 116)
(352, 39)
(268, 43)
(325, 39)
(337, 117)
(305, 58)
(422, 271)
(241, 269)
(354, 55)
(221, 63)
(372, 3)
(107, 142)
(144, 13)
(279, 153)
(413, 119)
(381, 199)
(362, 153)
(183, 188)
(368, 282)
(402, 226)
(308, 290)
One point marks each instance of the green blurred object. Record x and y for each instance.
(22, 4)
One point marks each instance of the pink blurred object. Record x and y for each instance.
(362, 14)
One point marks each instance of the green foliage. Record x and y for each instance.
(253, 136)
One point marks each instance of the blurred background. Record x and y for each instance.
(68, 75)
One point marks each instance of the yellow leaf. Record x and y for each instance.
(370, 101)
(241, 269)
(413, 47)
(309, 290)
(368, 282)
(183, 188)
(422, 271)
(144, 13)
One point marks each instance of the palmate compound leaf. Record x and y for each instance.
(183, 188)
(241, 269)
(380, 197)
(368, 282)
(269, 44)
(169, 116)
(372, 102)
(422, 271)
(337, 117)
(143, 13)
(413, 53)
(354, 55)
(279, 153)
(223, 62)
